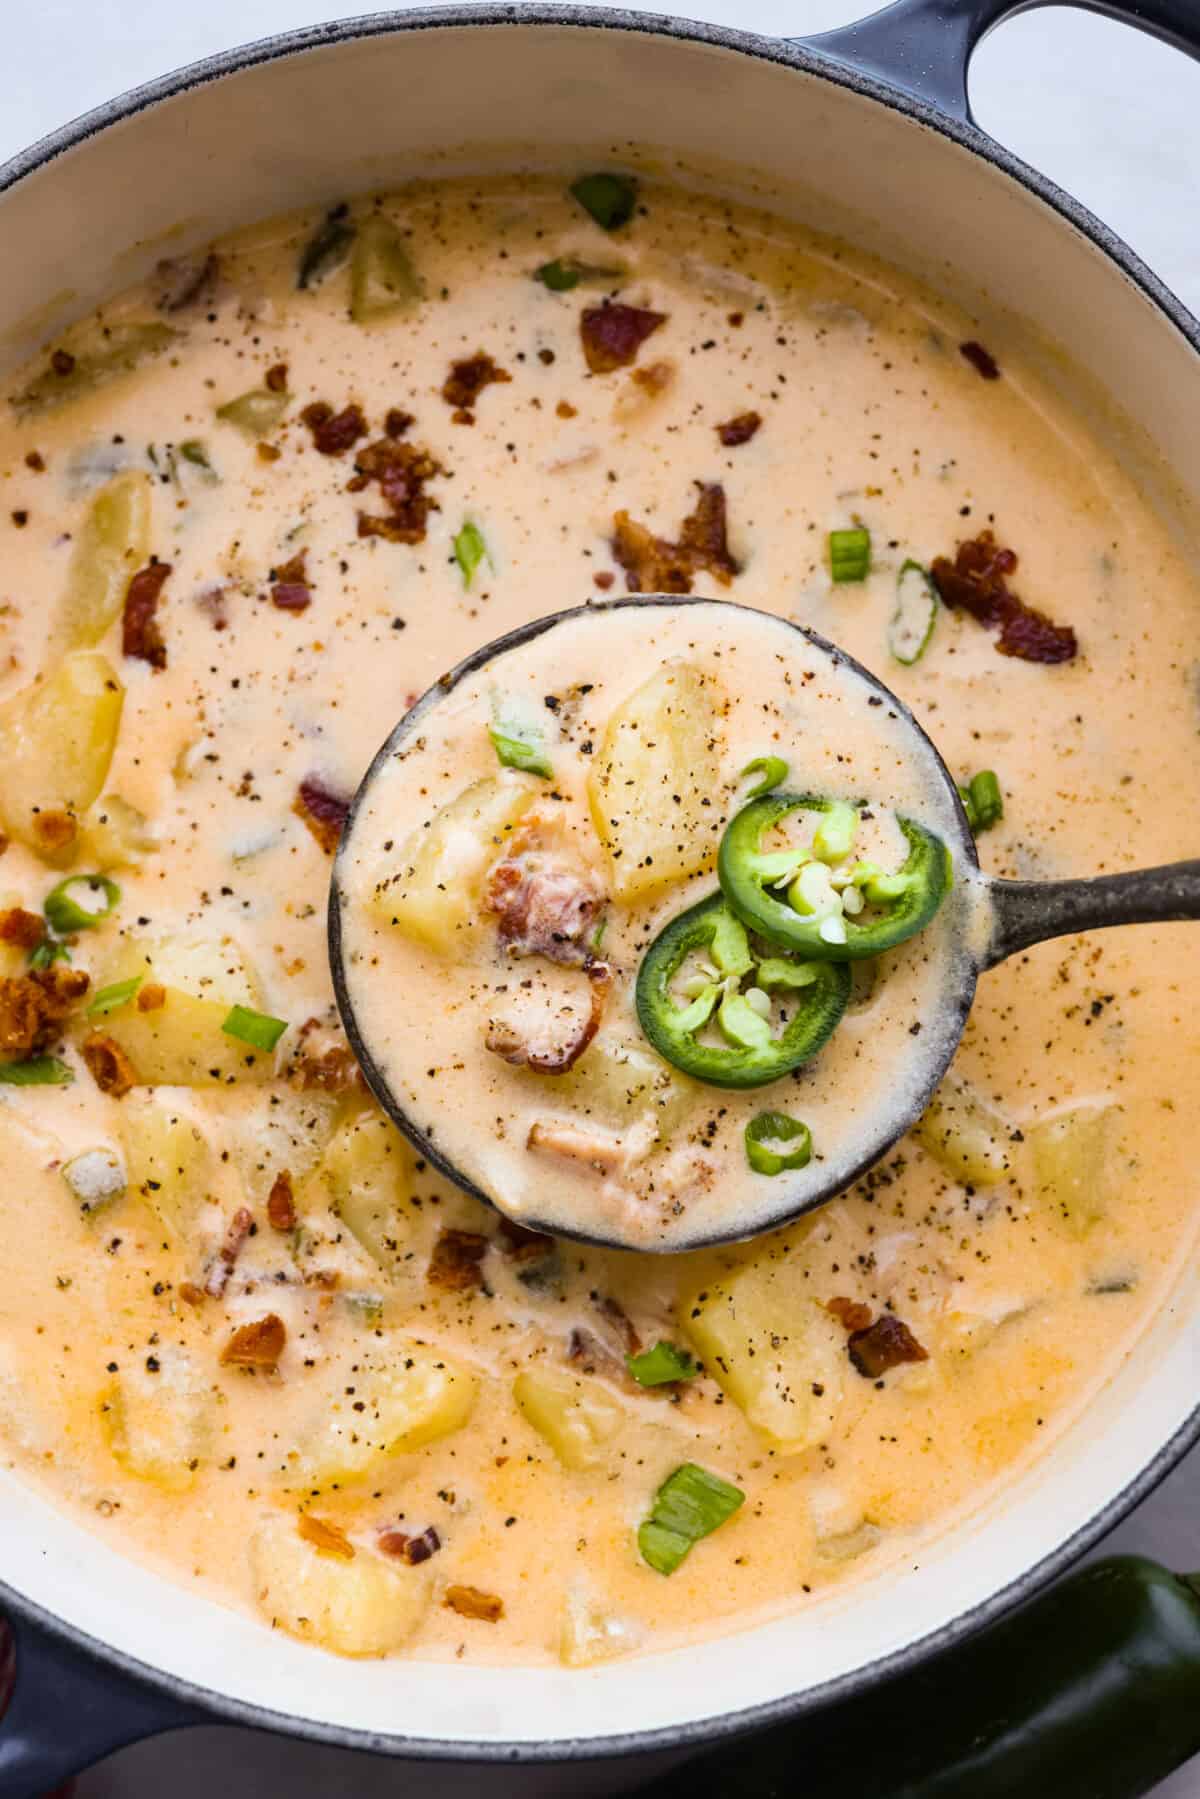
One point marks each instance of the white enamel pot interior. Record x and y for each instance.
(308, 120)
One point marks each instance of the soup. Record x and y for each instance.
(252, 510)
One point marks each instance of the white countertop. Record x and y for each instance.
(1108, 113)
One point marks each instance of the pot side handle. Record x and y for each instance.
(925, 46)
(63, 1710)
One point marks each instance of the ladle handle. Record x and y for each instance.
(1027, 912)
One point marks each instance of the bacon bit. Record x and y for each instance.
(333, 432)
(323, 811)
(467, 380)
(654, 565)
(62, 362)
(281, 1203)
(603, 1154)
(25, 929)
(850, 1313)
(36, 461)
(976, 582)
(151, 997)
(276, 377)
(565, 410)
(469, 1602)
(504, 1040)
(885, 1345)
(604, 579)
(401, 471)
(613, 334)
(326, 1538)
(191, 1294)
(225, 1260)
(413, 1550)
(398, 421)
(739, 430)
(268, 452)
(141, 635)
(334, 1070)
(187, 283)
(55, 832)
(520, 1244)
(291, 589)
(456, 1264)
(655, 378)
(980, 359)
(211, 601)
(108, 1065)
(256, 1345)
(546, 904)
(34, 1006)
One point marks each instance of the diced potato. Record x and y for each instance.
(657, 764)
(181, 1043)
(960, 1130)
(848, 1545)
(434, 895)
(157, 1422)
(96, 1179)
(116, 835)
(368, 1172)
(617, 1083)
(575, 1414)
(779, 1355)
(590, 1634)
(168, 1162)
(1073, 1164)
(280, 1131)
(361, 1606)
(56, 742)
(110, 546)
(410, 1394)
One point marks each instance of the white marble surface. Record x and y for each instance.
(1109, 114)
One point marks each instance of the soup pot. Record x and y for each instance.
(866, 131)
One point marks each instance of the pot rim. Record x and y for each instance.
(794, 53)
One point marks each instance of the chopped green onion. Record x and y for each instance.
(850, 554)
(107, 999)
(560, 277)
(914, 615)
(255, 1028)
(690, 1505)
(193, 451)
(983, 802)
(777, 971)
(598, 933)
(48, 952)
(773, 770)
(518, 743)
(326, 248)
(777, 1127)
(609, 198)
(255, 412)
(65, 914)
(469, 551)
(41, 1071)
(655, 1367)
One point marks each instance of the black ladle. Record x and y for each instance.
(1018, 914)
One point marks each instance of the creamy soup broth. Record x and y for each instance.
(250, 1337)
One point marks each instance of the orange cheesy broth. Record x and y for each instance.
(1023, 1242)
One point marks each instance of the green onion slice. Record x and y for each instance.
(690, 1504)
(255, 412)
(40, 1071)
(655, 1367)
(326, 248)
(255, 1028)
(64, 914)
(850, 554)
(983, 801)
(518, 742)
(560, 277)
(108, 999)
(777, 1127)
(469, 551)
(773, 769)
(48, 952)
(914, 615)
(193, 451)
(610, 199)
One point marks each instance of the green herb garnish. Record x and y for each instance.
(914, 615)
(690, 1504)
(655, 1367)
(850, 554)
(107, 999)
(40, 1071)
(48, 952)
(64, 914)
(610, 199)
(254, 1028)
(193, 451)
(777, 1127)
(469, 550)
(518, 743)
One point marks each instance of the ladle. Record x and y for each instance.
(1014, 914)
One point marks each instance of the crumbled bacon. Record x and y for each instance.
(186, 282)
(467, 380)
(24, 929)
(852, 1314)
(276, 377)
(980, 359)
(34, 1007)
(976, 581)
(505, 1040)
(397, 421)
(520, 1244)
(225, 1260)
(546, 904)
(654, 379)
(256, 1345)
(141, 634)
(457, 1261)
(108, 1065)
(55, 832)
(333, 433)
(291, 589)
(334, 1070)
(469, 1602)
(326, 1538)
(413, 1550)
(655, 565)
(152, 997)
(613, 334)
(323, 811)
(402, 471)
(281, 1203)
(739, 430)
(883, 1345)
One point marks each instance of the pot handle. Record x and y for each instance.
(63, 1710)
(925, 46)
